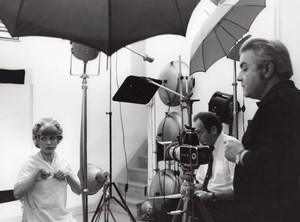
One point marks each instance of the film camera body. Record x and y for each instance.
(189, 154)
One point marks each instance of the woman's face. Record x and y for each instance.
(48, 144)
(252, 81)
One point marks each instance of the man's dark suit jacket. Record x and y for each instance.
(267, 185)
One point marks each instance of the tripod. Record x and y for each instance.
(185, 207)
(105, 202)
(107, 190)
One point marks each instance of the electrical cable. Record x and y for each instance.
(122, 129)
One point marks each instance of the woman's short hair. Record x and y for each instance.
(46, 127)
(270, 51)
(209, 119)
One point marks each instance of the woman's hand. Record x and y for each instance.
(43, 174)
(60, 175)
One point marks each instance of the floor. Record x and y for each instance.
(116, 217)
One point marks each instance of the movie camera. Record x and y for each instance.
(187, 155)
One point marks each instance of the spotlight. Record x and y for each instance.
(96, 178)
(222, 105)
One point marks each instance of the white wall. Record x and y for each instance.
(15, 118)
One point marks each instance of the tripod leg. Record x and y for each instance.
(105, 202)
(124, 203)
(106, 207)
(183, 210)
(187, 210)
(177, 218)
(121, 204)
(112, 216)
(99, 210)
(203, 210)
(102, 201)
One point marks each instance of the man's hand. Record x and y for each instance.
(198, 186)
(233, 147)
(204, 196)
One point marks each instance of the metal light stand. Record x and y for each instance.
(184, 211)
(83, 146)
(235, 56)
(85, 54)
(235, 106)
(105, 203)
(107, 192)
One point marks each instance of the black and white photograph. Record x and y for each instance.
(149, 111)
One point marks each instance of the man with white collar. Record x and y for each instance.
(215, 187)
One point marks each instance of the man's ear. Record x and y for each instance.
(268, 70)
(213, 130)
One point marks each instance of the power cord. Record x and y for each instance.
(122, 129)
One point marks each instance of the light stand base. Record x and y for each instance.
(105, 203)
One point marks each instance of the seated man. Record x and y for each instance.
(214, 184)
(215, 180)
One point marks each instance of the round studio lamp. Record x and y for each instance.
(83, 52)
(96, 178)
(171, 78)
(164, 183)
(170, 128)
(148, 209)
(151, 210)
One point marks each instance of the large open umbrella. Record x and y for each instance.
(105, 25)
(221, 30)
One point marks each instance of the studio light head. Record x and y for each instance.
(83, 52)
(81, 55)
(95, 177)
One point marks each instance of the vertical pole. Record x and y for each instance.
(83, 146)
(277, 26)
(110, 130)
(152, 151)
(235, 108)
(180, 78)
(110, 97)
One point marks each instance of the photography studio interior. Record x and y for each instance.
(124, 79)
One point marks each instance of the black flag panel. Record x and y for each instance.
(12, 76)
